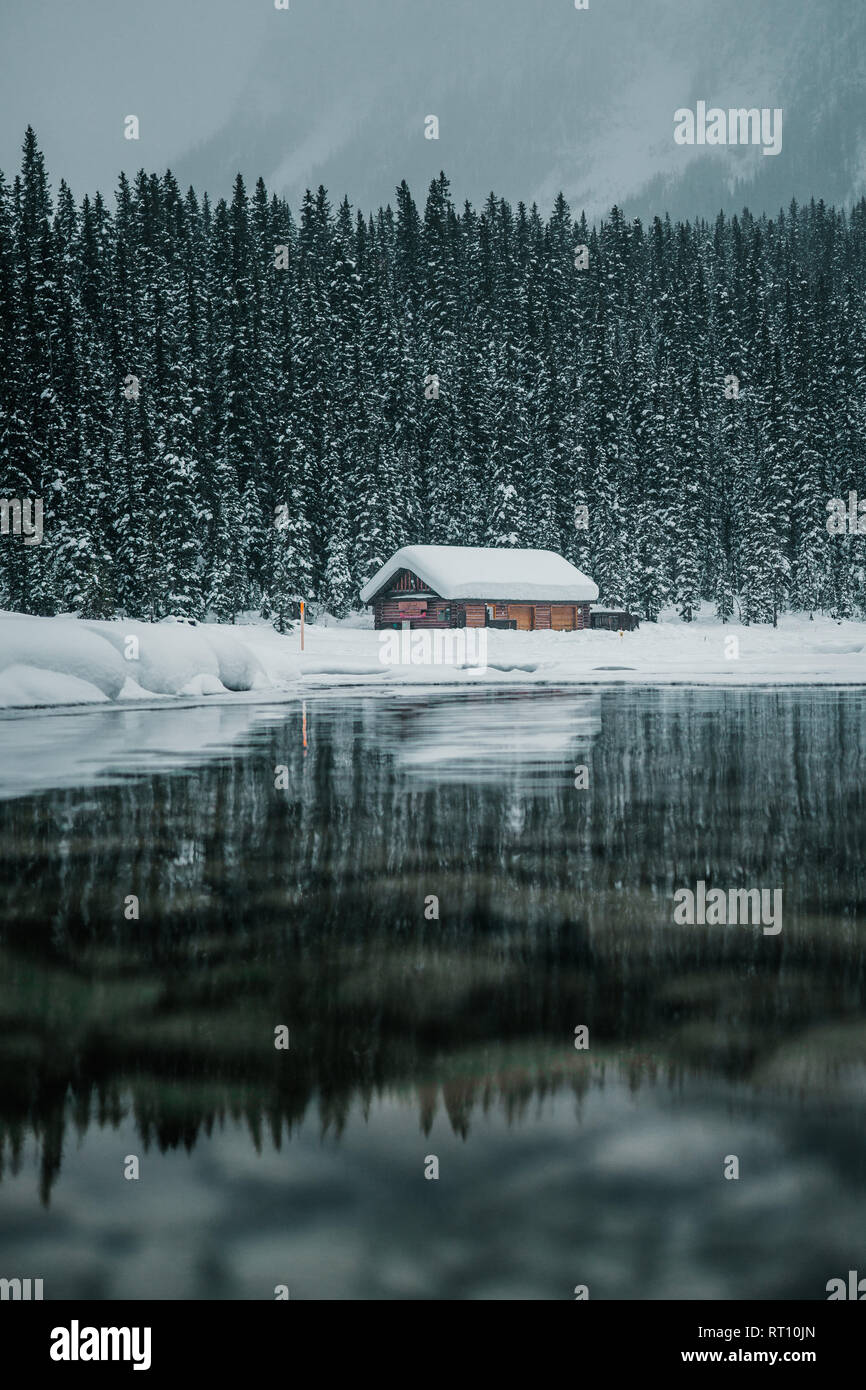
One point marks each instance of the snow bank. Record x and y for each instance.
(64, 661)
(64, 647)
(238, 668)
(59, 661)
(704, 652)
(169, 659)
(22, 687)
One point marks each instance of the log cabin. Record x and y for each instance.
(436, 586)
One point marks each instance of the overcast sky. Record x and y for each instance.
(74, 68)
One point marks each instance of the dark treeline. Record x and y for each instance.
(171, 384)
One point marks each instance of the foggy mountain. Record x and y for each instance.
(534, 97)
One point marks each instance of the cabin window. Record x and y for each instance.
(444, 613)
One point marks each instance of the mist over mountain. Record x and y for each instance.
(533, 98)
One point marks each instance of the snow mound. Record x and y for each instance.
(59, 661)
(133, 691)
(62, 646)
(175, 660)
(203, 685)
(25, 687)
(238, 668)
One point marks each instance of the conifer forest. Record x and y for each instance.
(232, 404)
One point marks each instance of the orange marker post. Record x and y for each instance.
(302, 624)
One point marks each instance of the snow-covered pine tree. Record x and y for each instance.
(228, 591)
(338, 589)
(290, 568)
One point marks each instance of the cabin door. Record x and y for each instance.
(562, 617)
(522, 613)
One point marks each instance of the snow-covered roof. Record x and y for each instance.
(479, 572)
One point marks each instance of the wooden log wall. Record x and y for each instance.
(411, 603)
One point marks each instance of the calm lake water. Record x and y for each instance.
(413, 1037)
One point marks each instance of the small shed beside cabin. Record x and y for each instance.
(614, 619)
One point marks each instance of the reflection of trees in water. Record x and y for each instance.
(305, 907)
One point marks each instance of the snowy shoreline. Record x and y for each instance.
(70, 663)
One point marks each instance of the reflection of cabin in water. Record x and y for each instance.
(435, 586)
